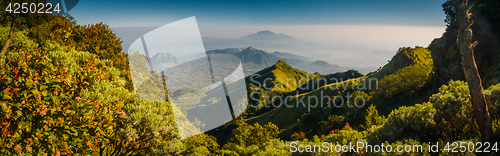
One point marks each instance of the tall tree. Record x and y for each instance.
(464, 38)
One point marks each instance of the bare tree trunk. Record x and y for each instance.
(470, 69)
(9, 39)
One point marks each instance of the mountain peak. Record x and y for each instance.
(321, 63)
(266, 35)
(282, 64)
(266, 32)
(250, 48)
(281, 70)
(165, 60)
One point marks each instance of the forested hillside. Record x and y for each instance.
(66, 89)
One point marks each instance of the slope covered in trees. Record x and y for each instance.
(65, 92)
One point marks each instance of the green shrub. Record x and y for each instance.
(414, 122)
(492, 96)
(201, 140)
(245, 135)
(273, 147)
(372, 118)
(398, 148)
(346, 137)
(150, 128)
(314, 142)
(454, 113)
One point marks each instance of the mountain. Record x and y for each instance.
(225, 51)
(252, 55)
(265, 40)
(320, 63)
(283, 80)
(279, 77)
(321, 67)
(164, 60)
(266, 35)
(254, 60)
(283, 77)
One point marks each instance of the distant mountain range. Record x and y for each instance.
(277, 44)
(254, 60)
(261, 40)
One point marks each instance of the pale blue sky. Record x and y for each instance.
(361, 33)
(133, 13)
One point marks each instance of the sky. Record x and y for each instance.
(366, 30)
(133, 13)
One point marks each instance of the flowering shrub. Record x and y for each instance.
(49, 104)
(345, 128)
(97, 39)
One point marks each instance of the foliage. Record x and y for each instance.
(245, 135)
(150, 128)
(346, 137)
(492, 95)
(414, 122)
(345, 128)
(273, 147)
(250, 139)
(97, 39)
(19, 40)
(454, 111)
(372, 118)
(194, 144)
(57, 100)
(485, 23)
(406, 80)
(49, 103)
(416, 149)
(298, 136)
(449, 10)
(270, 147)
(333, 121)
(314, 141)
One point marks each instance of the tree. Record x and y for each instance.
(464, 38)
(20, 21)
(246, 135)
(372, 118)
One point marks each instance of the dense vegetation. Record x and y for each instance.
(66, 89)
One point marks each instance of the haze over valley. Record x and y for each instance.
(363, 48)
